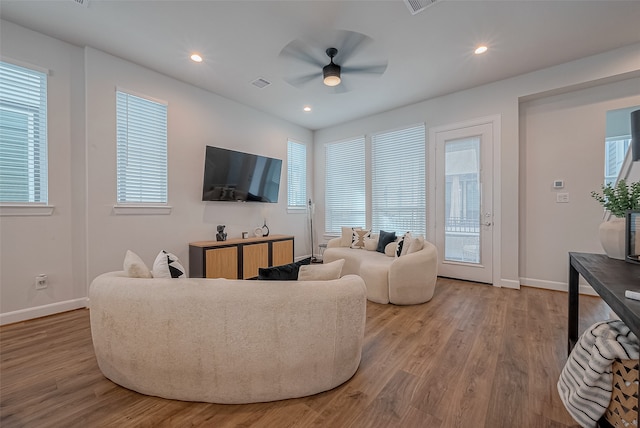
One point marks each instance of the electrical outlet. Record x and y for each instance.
(41, 282)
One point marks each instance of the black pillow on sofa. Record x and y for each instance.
(384, 239)
(287, 272)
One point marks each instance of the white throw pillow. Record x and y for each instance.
(321, 272)
(345, 238)
(358, 236)
(417, 244)
(167, 265)
(403, 244)
(371, 244)
(134, 266)
(390, 249)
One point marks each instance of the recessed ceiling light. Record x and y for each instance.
(481, 49)
(306, 108)
(196, 58)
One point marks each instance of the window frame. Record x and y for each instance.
(367, 156)
(123, 207)
(36, 110)
(297, 208)
(423, 199)
(364, 190)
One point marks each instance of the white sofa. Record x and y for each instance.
(406, 280)
(227, 341)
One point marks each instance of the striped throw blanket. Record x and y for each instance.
(585, 382)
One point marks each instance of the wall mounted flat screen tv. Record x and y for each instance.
(243, 177)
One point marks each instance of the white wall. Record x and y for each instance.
(196, 118)
(84, 237)
(562, 137)
(501, 98)
(51, 245)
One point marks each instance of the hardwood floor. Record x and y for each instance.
(474, 356)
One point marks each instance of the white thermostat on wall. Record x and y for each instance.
(558, 184)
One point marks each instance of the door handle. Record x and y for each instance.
(487, 223)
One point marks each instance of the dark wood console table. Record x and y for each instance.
(609, 278)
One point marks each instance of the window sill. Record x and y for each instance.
(142, 209)
(25, 210)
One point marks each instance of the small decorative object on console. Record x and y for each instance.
(632, 237)
(221, 235)
(265, 229)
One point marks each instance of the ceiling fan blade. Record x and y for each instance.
(340, 89)
(300, 51)
(368, 69)
(352, 41)
(299, 81)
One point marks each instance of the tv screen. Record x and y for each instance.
(237, 176)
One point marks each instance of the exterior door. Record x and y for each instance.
(464, 202)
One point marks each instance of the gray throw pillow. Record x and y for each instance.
(384, 239)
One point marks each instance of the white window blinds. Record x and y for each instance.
(23, 135)
(297, 175)
(398, 195)
(345, 187)
(142, 149)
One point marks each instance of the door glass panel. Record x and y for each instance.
(462, 200)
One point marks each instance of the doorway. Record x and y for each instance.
(463, 225)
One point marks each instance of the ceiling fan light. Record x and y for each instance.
(331, 74)
(332, 80)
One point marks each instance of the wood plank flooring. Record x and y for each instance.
(474, 356)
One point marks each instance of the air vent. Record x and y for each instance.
(417, 6)
(260, 83)
(84, 3)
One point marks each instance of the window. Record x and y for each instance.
(391, 195)
(398, 195)
(141, 149)
(23, 135)
(614, 154)
(297, 175)
(345, 193)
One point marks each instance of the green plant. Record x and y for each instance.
(619, 198)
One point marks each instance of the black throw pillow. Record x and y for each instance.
(288, 272)
(384, 239)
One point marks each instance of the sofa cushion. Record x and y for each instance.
(358, 236)
(370, 244)
(321, 272)
(384, 239)
(135, 267)
(347, 234)
(288, 272)
(390, 249)
(167, 265)
(417, 244)
(403, 244)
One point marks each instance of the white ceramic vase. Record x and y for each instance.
(612, 237)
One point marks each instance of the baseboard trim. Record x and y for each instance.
(510, 283)
(43, 311)
(557, 286)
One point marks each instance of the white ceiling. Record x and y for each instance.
(429, 54)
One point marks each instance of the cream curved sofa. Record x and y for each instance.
(406, 280)
(227, 341)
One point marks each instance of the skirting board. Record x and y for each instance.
(510, 283)
(43, 311)
(557, 286)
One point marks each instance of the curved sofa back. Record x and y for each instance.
(227, 341)
(406, 280)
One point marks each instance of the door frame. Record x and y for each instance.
(495, 122)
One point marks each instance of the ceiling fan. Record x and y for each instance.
(347, 52)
